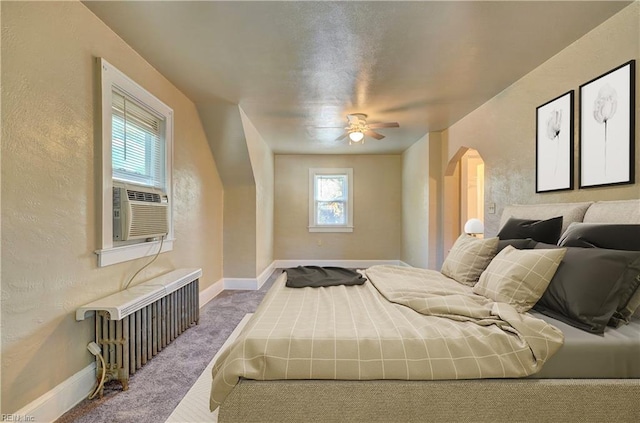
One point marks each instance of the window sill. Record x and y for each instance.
(109, 256)
(330, 228)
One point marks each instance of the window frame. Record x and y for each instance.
(109, 253)
(314, 226)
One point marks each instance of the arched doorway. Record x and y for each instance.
(463, 192)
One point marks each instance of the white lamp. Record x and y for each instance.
(474, 227)
(356, 136)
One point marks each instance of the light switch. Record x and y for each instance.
(492, 208)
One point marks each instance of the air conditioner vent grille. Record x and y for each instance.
(139, 212)
(148, 220)
(148, 197)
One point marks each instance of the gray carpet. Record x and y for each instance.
(157, 388)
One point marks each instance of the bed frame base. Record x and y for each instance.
(510, 400)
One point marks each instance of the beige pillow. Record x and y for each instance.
(468, 258)
(519, 277)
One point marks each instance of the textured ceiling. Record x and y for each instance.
(297, 66)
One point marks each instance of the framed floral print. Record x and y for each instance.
(554, 144)
(607, 128)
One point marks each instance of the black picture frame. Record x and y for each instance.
(555, 144)
(607, 128)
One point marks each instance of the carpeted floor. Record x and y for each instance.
(157, 388)
(194, 406)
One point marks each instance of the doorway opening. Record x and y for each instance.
(463, 192)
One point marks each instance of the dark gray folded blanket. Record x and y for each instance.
(316, 276)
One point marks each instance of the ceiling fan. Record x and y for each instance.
(358, 128)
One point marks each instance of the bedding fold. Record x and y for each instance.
(427, 293)
(406, 324)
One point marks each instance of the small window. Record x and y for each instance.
(330, 200)
(137, 147)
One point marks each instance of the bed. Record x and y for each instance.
(562, 373)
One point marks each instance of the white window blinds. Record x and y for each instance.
(138, 147)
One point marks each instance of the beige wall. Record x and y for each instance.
(225, 133)
(49, 219)
(415, 204)
(240, 231)
(245, 165)
(421, 210)
(377, 186)
(450, 201)
(262, 164)
(436, 206)
(503, 129)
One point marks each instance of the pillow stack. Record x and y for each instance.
(593, 288)
(597, 281)
(513, 276)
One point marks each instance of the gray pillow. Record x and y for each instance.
(592, 287)
(539, 230)
(602, 235)
(520, 244)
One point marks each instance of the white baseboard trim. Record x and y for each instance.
(210, 293)
(250, 284)
(339, 263)
(264, 276)
(403, 264)
(53, 404)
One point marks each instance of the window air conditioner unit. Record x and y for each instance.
(139, 212)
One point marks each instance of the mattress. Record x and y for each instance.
(580, 387)
(405, 324)
(616, 354)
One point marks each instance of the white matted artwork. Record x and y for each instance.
(607, 128)
(554, 144)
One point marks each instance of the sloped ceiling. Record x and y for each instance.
(222, 123)
(297, 66)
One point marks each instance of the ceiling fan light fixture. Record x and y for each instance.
(356, 136)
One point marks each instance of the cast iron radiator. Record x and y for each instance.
(134, 325)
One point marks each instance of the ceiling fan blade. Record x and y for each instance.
(342, 136)
(384, 125)
(374, 135)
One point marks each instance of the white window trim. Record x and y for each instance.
(108, 253)
(313, 226)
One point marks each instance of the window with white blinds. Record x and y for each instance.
(330, 200)
(138, 148)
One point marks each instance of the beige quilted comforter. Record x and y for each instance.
(407, 324)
